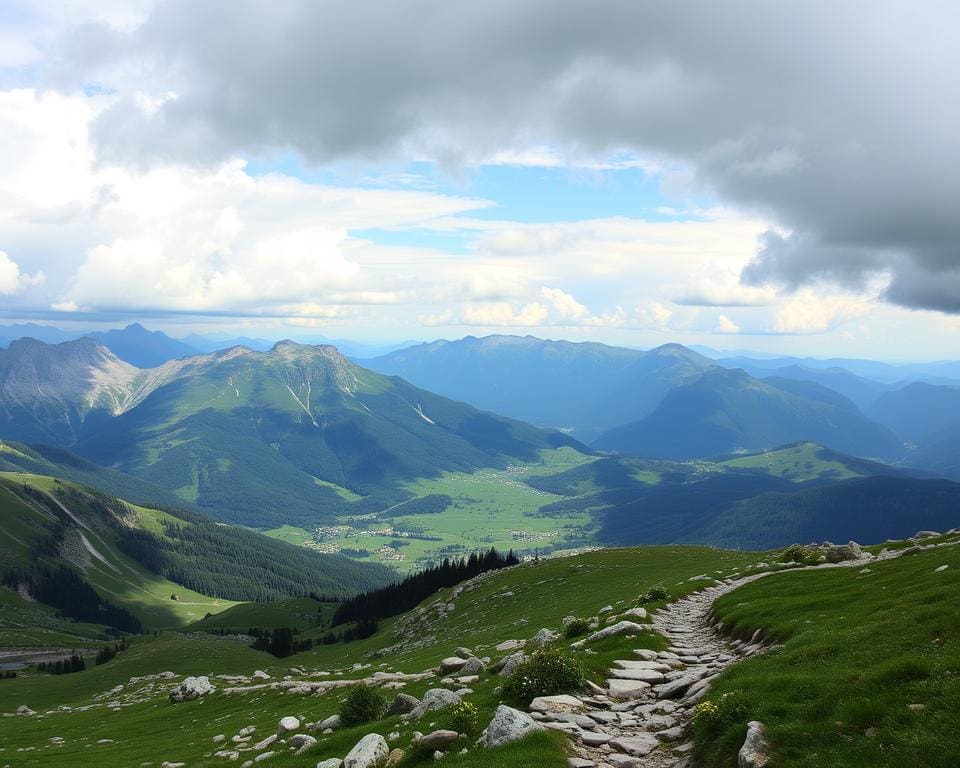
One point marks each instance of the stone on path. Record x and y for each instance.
(561, 703)
(636, 746)
(626, 689)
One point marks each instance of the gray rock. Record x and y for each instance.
(24, 710)
(560, 703)
(474, 666)
(452, 664)
(839, 553)
(403, 704)
(288, 724)
(332, 722)
(543, 638)
(464, 653)
(508, 725)
(635, 746)
(925, 534)
(754, 752)
(332, 762)
(301, 742)
(511, 663)
(620, 628)
(370, 752)
(438, 740)
(510, 645)
(191, 688)
(435, 698)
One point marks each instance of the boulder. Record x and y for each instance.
(288, 724)
(838, 553)
(635, 613)
(435, 698)
(403, 704)
(620, 628)
(332, 762)
(510, 663)
(301, 742)
(370, 752)
(543, 638)
(438, 740)
(191, 688)
(925, 534)
(508, 725)
(474, 666)
(260, 675)
(24, 710)
(332, 722)
(464, 653)
(395, 757)
(451, 664)
(754, 752)
(510, 645)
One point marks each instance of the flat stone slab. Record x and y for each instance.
(657, 666)
(561, 703)
(644, 675)
(595, 739)
(636, 746)
(626, 689)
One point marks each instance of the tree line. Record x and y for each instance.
(406, 594)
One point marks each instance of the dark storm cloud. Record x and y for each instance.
(837, 120)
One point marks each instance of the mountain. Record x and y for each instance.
(726, 411)
(135, 558)
(142, 348)
(943, 371)
(920, 413)
(582, 387)
(46, 333)
(292, 435)
(205, 344)
(861, 391)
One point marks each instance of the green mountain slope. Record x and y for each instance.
(137, 557)
(724, 411)
(285, 436)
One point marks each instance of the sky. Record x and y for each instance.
(781, 177)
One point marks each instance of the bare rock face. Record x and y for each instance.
(508, 724)
(191, 688)
(755, 749)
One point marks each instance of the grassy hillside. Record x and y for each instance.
(542, 594)
(146, 560)
(865, 672)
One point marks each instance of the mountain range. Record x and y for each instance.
(288, 435)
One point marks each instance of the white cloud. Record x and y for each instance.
(726, 325)
(810, 311)
(12, 279)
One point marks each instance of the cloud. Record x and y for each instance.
(552, 307)
(12, 279)
(726, 325)
(810, 311)
(848, 148)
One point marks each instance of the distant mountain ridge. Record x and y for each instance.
(262, 438)
(582, 386)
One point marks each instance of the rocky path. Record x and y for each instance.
(642, 717)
